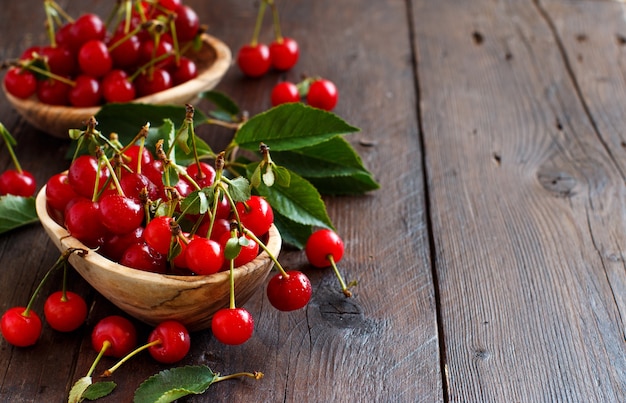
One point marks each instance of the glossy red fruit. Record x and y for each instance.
(118, 331)
(232, 326)
(246, 254)
(131, 157)
(284, 92)
(82, 221)
(254, 60)
(20, 83)
(115, 245)
(87, 27)
(202, 173)
(175, 342)
(61, 60)
(53, 92)
(86, 92)
(158, 234)
(150, 50)
(19, 329)
(156, 80)
(94, 58)
(323, 94)
(289, 293)
(133, 184)
(17, 183)
(220, 227)
(65, 314)
(256, 214)
(82, 175)
(187, 23)
(322, 244)
(124, 50)
(141, 256)
(116, 87)
(59, 192)
(120, 214)
(185, 70)
(204, 256)
(284, 54)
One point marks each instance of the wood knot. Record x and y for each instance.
(560, 184)
(340, 311)
(481, 354)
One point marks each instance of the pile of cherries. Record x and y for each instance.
(87, 64)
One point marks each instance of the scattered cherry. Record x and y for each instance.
(232, 326)
(289, 292)
(65, 312)
(325, 248)
(20, 326)
(323, 94)
(284, 53)
(285, 92)
(17, 183)
(174, 342)
(115, 335)
(254, 60)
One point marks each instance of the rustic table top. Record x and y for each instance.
(490, 264)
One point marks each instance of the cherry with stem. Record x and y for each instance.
(18, 181)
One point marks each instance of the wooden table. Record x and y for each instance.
(491, 263)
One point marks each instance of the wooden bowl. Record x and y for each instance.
(152, 297)
(212, 60)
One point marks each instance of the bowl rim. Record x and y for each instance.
(63, 240)
(219, 67)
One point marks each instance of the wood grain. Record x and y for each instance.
(526, 201)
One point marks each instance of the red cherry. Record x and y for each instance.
(150, 50)
(322, 244)
(61, 60)
(187, 23)
(94, 58)
(86, 92)
(289, 293)
(17, 183)
(154, 81)
(131, 156)
(118, 331)
(116, 87)
(256, 215)
(120, 214)
(284, 54)
(254, 60)
(133, 184)
(220, 227)
(171, 5)
(323, 95)
(59, 192)
(246, 254)
(87, 27)
(285, 92)
(174, 345)
(125, 54)
(158, 234)
(82, 175)
(20, 83)
(82, 221)
(141, 256)
(232, 326)
(65, 314)
(53, 92)
(20, 328)
(204, 256)
(185, 70)
(202, 173)
(114, 245)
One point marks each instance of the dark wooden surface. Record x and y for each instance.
(491, 262)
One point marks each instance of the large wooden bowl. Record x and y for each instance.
(212, 60)
(152, 297)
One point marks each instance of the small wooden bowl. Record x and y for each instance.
(153, 298)
(212, 60)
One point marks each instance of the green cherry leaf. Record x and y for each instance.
(281, 175)
(232, 248)
(239, 189)
(16, 211)
(222, 102)
(291, 232)
(290, 126)
(172, 384)
(98, 390)
(78, 389)
(197, 202)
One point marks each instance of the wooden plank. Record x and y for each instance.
(519, 184)
(381, 344)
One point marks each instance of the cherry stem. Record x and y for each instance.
(257, 25)
(62, 260)
(232, 284)
(10, 142)
(255, 375)
(48, 74)
(128, 356)
(105, 346)
(276, 21)
(344, 288)
(256, 239)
